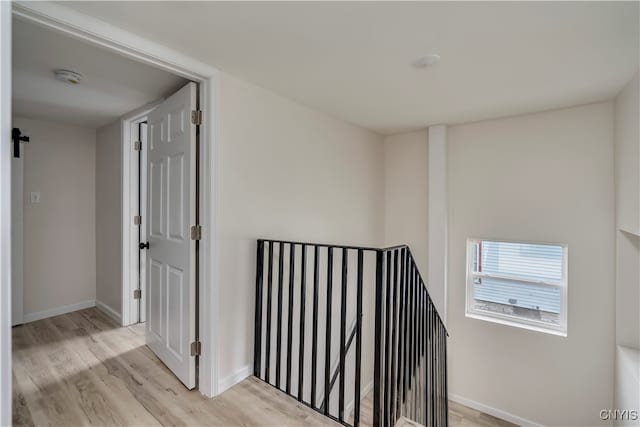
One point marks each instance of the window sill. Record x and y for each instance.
(508, 322)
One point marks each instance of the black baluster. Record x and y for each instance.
(269, 317)
(314, 343)
(377, 356)
(292, 257)
(303, 292)
(343, 322)
(327, 359)
(257, 345)
(356, 414)
(387, 329)
(394, 312)
(279, 323)
(405, 315)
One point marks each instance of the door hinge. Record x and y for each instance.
(137, 294)
(196, 348)
(196, 232)
(137, 145)
(196, 117)
(137, 220)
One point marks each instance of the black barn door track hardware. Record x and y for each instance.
(17, 137)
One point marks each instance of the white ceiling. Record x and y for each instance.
(111, 86)
(351, 59)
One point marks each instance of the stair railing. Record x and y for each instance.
(410, 374)
(408, 377)
(336, 369)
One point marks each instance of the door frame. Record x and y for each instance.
(130, 250)
(5, 214)
(17, 239)
(89, 29)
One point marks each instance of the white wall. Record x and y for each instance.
(287, 172)
(59, 232)
(542, 177)
(108, 196)
(627, 157)
(627, 165)
(438, 218)
(406, 171)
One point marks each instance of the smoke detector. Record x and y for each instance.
(68, 76)
(426, 61)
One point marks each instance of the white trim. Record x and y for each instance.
(94, 31)
(227, 382)
(129, 181)
(17, 238)
(91, 30)
(109, 311)
(209, 297)
(64, 309)
(5, 214)
(498, 413)
(513, 321)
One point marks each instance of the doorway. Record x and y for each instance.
(75, 209)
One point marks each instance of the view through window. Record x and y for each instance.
(518, 283)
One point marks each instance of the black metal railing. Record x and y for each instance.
(411, 349)
(391, 318)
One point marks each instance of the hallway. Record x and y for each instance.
(81, 368)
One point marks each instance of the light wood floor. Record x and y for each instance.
(82, 369)
(459, 416)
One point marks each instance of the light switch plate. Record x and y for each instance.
(35, 197)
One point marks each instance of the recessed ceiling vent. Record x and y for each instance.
(68, 76)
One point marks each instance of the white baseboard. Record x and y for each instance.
(498, 413)
(233, 379)
(32, 317)
(109, 312)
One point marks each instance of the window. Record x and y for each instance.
(518, 284)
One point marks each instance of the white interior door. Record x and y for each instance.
(171, 203)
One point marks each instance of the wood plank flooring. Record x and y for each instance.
(459, 416)
(82, 369)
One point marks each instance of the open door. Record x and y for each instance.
(171, 252)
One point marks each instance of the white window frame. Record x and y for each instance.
(517, 321)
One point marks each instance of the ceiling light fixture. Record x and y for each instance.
(68, 76)
(426, 61)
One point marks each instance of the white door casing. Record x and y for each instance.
(17, 225)
(142, 194)
(98, 33)
(170, 258)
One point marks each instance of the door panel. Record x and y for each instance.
(155, 298)
(174, 302)
(156, 193)
(171, 211)
(176, 227)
